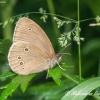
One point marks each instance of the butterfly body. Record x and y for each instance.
(31, 51)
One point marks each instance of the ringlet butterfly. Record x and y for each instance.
(31, 50)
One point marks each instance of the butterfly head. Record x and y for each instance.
(58, 57)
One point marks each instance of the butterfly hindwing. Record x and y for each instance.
(26, 58)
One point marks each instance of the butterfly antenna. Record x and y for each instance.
(66, 53)
(64, 48)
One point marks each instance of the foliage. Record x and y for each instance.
(17, 80)
(59, 84)
(83, 89)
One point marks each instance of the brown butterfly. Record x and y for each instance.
(31, 51)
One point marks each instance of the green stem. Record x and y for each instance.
(86, 19)
(70, 77)
(23, 14)
(79, 49)
(6, 12)
(96, 97)
(52, 10)
(74, 21)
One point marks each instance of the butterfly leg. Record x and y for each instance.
(60, 66)
(47, 74)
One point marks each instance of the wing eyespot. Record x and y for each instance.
(21, 62)
(23, 68)
(30, 29)
(26, 49)
(19, 57)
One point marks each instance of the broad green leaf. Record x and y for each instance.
(82, 90)
(57, 72)
(25, 81)
(50, 90)
(12, 86)
(56, 75)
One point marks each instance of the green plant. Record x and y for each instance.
(79, 92)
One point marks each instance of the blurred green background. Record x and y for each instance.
(90, 48)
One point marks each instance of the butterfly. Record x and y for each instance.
(31, 50)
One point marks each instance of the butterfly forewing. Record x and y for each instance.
(28, 30)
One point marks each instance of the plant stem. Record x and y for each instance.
(70, 77)
(79, 49)
(6, 12)
(52, 10)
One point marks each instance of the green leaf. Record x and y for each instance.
(88, 48)
(82, 90)
(12, 86)
(42, 10)
(97, 19)
(50, 90)
(56, 74)
(11, 20)
(7, 74)
(5, 23)
(25, 81)
(44, 17)
(3, 87)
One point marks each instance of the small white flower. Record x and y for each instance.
(55, 17)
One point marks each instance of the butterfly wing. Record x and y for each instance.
(26, 58)
(27, 30)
